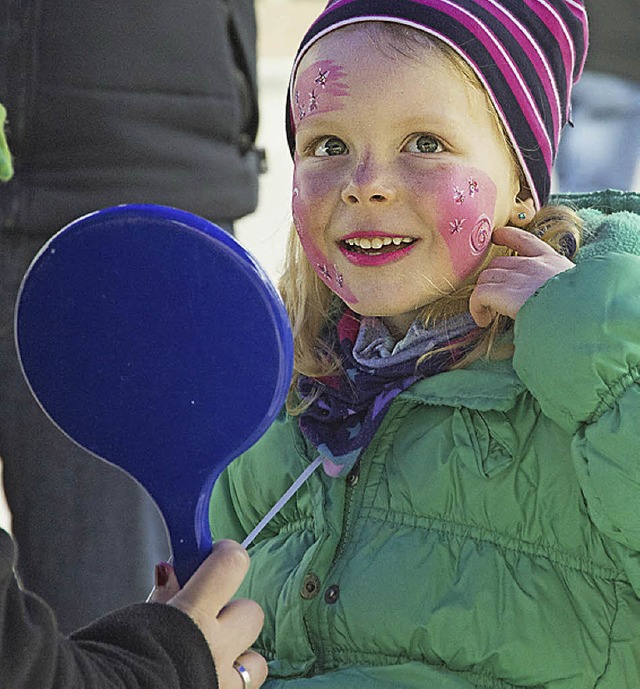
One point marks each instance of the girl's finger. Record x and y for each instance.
(520, 241)
(494, 274)
(481, 313)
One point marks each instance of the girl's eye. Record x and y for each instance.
(330, 146)
(424, 143)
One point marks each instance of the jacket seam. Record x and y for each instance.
(495, 403)
(395, 416)
(137, 92)
(500, 540)
(615, 391)
(305, 524)
(480, 680)
(613, 622)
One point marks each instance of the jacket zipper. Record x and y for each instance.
(318, 667)
(346, 518)
(355, 471)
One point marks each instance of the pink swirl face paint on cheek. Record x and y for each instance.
(466, 200)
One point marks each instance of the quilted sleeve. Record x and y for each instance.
(577, 349)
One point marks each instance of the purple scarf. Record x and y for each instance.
(349, 408)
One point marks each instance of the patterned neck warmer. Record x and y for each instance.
(349, 408)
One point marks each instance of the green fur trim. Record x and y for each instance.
(6, 166)
(610, 220)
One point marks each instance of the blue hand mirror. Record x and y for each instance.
(155, 341)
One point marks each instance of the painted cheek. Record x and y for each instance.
(319, 88)
(466, 199)
(327, 271)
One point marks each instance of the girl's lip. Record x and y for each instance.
(375, 259)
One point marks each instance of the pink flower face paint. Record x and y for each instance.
(465, 199)
(319, 88)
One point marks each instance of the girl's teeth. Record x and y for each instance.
(376, 243)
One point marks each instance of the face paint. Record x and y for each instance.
(465, 199)
(395, 197)
(319, 88)
(326, 271)
(462, 200)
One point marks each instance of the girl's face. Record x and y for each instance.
(400, 175)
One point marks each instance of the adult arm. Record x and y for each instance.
(142, 646)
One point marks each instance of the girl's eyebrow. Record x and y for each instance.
(436, 117)
(322, 120)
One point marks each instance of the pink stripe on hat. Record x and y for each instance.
(552, 20)
(535, 55)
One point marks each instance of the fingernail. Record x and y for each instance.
(162, 574)
(567, 246)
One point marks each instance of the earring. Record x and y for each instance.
(522, 216)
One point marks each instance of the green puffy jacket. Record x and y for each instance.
(491, 537)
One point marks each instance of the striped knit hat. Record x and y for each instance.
(527, 54)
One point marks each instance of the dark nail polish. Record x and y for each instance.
(162, 574)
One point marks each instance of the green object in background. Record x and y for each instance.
(6, 166)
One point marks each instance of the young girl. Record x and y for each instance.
(469, 383)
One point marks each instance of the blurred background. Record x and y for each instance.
(281, 25)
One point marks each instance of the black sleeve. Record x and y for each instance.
(145, 646)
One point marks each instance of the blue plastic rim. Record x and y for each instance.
(153, 339)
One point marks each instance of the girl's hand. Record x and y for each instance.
(508, 281)
(229, 627)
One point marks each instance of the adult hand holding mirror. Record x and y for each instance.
(155, 341)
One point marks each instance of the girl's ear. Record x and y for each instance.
(523, 210)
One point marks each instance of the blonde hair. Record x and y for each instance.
(314, 309)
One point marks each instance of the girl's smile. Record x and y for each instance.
(375, 249)
(394, 198)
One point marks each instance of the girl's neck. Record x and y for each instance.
(398, 326)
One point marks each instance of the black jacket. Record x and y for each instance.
(145, 646)
(128, 101)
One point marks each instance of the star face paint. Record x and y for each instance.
(466, 201)
(327, 271)
(395, 198)
(318, 89)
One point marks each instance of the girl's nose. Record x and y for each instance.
(370, 183)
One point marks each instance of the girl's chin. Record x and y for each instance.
(397, 323)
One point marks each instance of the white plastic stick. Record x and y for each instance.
(283, 501)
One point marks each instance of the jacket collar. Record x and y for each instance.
(483, 385)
